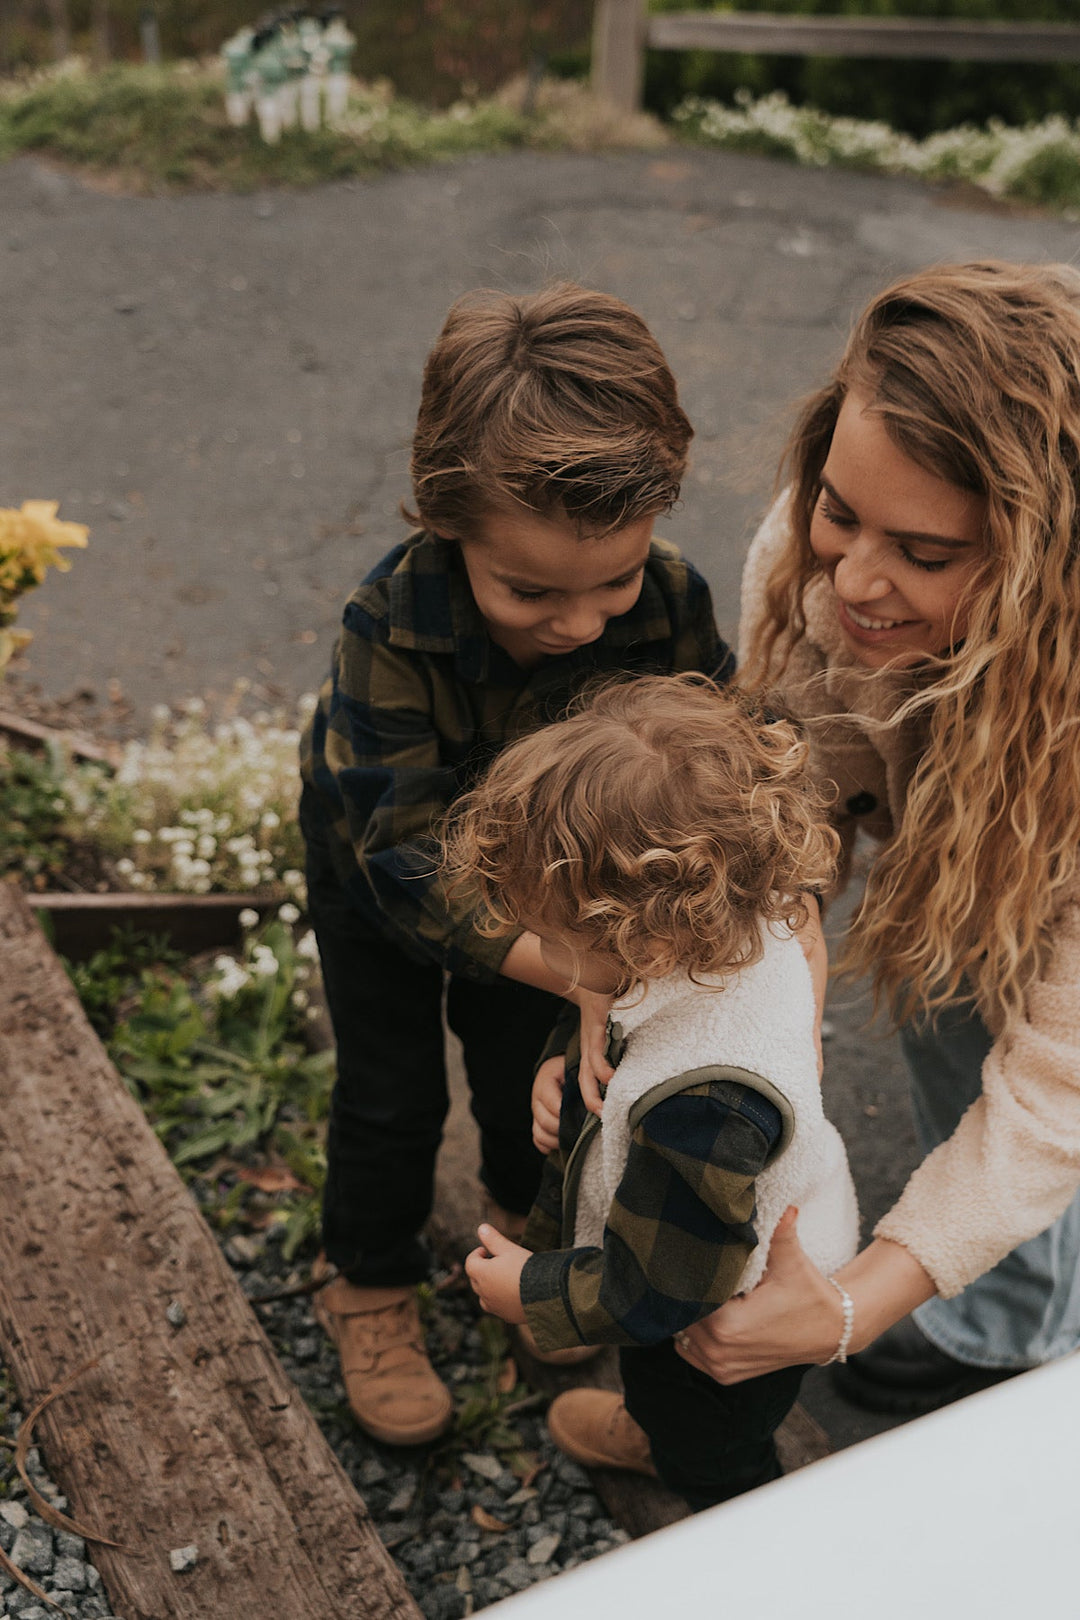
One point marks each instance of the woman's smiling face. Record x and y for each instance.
(899, 545)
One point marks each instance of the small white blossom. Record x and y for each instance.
(248, 918)
(125, 867)
(308, 946)
(289, 913)
(269, 820)
(142, 835)
(263, 962)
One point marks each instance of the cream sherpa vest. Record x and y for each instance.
(760, 1022)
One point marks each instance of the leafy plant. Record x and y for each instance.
(106, 980)
(218, 1062)
(1036, 163)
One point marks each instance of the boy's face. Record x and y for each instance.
(542, 590)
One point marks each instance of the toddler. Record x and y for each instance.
(667, 847)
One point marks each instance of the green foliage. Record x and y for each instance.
(1035, 163)
(162, 127)
(914, 96)
(34, 808)
(108, 978)
(216, 1057)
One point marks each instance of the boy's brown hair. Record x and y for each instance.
(661, 823)
(560, 401)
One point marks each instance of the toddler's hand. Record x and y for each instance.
(547, 1101)
(495, 1273)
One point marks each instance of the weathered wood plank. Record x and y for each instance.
(81, 924)
(181, 1435)
(766, 34)
(618, 61)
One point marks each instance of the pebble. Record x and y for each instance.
(183, 1559)
(420, 1500)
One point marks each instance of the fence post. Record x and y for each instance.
(618, 52)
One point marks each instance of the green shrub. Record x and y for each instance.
(916, 97)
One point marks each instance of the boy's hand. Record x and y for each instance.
(547, 1101)
(495, 1273)
(594, 1070)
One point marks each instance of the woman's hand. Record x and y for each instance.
(795, 1316)
(594, 1071)
(547, 1093)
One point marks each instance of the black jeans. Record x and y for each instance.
(390, 1098)
(709, 1441)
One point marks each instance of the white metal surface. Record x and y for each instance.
(972, 1511)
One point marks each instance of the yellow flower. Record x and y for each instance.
(29, 544)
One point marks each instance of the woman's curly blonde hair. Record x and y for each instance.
(974, 370)
(660, 823)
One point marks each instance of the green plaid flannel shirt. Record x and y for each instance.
(420, 700)
(680, 1229)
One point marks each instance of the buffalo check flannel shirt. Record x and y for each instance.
(420, 700)
(680, 1228)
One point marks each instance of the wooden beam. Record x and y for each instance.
(80, 924)
(618, 59)
(187, 1432)
(767, 34)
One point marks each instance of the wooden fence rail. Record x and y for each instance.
(622, 32)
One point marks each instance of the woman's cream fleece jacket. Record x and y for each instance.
(1013, 1163)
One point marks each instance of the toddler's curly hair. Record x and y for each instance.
(660, 823)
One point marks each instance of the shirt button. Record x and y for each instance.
(861, 804)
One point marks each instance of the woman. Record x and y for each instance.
(915, 598)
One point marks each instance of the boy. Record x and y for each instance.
(548, 440)
(666, 846)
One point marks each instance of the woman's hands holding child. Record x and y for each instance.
(494, 1270)
(546, 1103)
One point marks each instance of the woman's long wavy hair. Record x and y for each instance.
(975, 372)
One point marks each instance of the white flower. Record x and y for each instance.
(292, 879)
(125, 867)
(248, 918)
(308, 946)
(206, 847)
(299, 999)
(233, 977)
(289, 913)
(264, 964)
(141, 836)
(269, 820)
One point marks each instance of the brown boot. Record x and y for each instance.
(594, 1427)
(393, 1390)
(573, 1357)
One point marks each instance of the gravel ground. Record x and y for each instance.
(429, 1503)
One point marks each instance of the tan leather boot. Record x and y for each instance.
(594, 1427)
(394, 1392)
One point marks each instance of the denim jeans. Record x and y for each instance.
(1027, 1309)
(390, 1098)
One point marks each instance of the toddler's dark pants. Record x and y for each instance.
(709, 1441)
(390, 1098)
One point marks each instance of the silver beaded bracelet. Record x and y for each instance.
(840, 1353)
